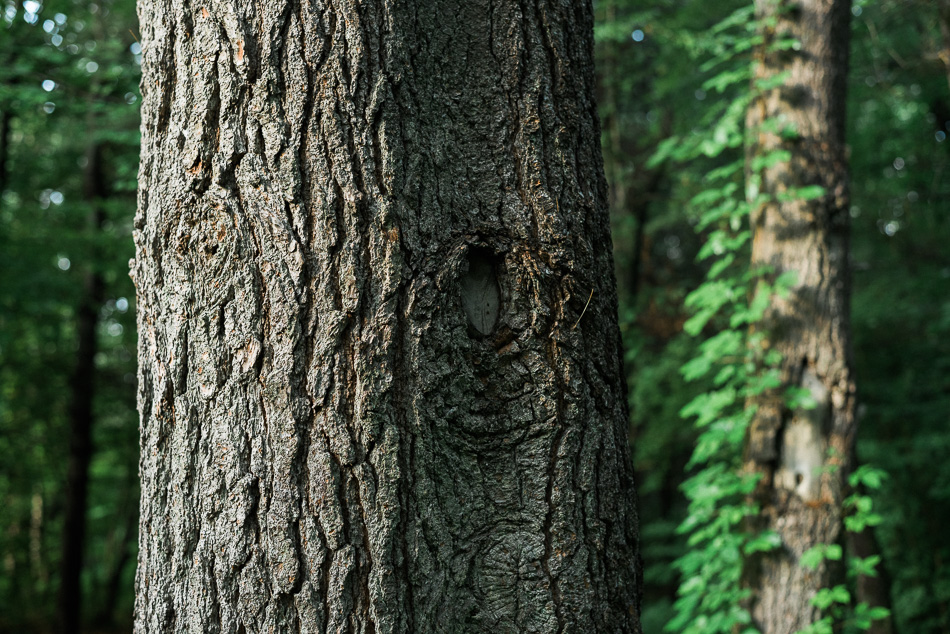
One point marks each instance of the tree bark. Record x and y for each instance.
(373, 395)
(803, 455)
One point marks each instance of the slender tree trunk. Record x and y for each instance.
(634, 187)
(81, 386)
(120, 547)
(373, 395)
(803, 455)
(875, 591)
(39, 570)
(5, 118)
(647, 191)
(943, 16)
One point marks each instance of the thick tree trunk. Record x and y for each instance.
(802, 454)
(81, 386)
(373, 395)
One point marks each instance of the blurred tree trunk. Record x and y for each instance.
(80, 414)
(119, 546)
(875, 590)
(40, 572)
(943, 16)
(803, 455)
(633, 186)
(374, 397)
(5, 118)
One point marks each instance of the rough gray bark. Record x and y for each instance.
(371, 399)
(803, 455)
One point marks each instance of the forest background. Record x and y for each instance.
(69, 74)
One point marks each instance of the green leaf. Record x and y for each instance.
(826, 597)
(824, 626)
(727, 78)
(866, 567)
(771, 159)
(809, 192)
(814, 556)
(764, 542)
(797, 397)
(867, 476)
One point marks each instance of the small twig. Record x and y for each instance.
(585, 309)
(134, 38)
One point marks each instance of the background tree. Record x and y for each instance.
(897, 138)
(801, 449)
(380, 379)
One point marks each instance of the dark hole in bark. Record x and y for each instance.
(481, 298)
(798, 478)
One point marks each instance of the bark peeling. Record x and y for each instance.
(325, 444)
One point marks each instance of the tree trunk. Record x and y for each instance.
(120, 548)
(38, 569)
(875, 591)
(80, 415)
(802, 454)
(373, 395)
(943, 16)
(5, 118)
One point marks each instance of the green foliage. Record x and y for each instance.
(813, 557)
(899, 115)
(724, 306)
(649, 91)
(730, 301)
